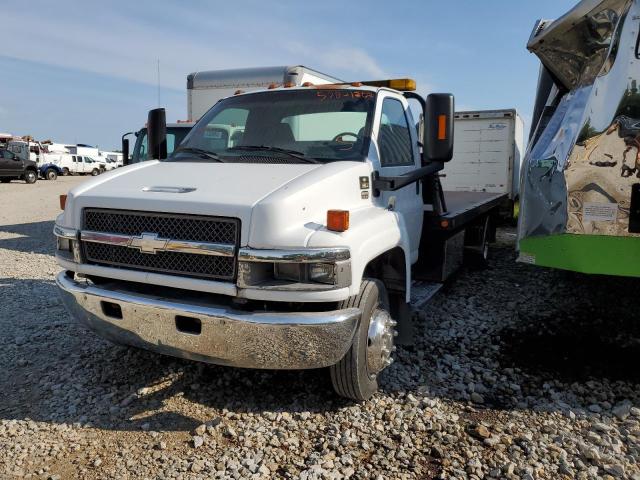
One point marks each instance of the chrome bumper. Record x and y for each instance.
(282, 340)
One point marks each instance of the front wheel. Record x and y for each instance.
(356, 375)
(95, 172)
(30, 176)
(51, 174)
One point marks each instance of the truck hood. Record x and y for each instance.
(222, 189)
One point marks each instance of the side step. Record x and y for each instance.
(422, 292)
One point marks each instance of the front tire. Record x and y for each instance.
(95, 172)
(356, 375)
(51, 174)
(30, 176)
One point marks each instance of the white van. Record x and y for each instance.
(79, 165)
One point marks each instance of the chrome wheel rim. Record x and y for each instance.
(380, 341)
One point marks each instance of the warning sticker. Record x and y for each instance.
(527, 258)
(599, 212)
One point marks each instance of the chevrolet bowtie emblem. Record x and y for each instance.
(149, 243)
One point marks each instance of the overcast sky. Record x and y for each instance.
(86, 71)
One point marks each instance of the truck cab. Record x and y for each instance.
(175, 133)
(293, 246)
(12, 167)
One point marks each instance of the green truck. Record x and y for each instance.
(580, 190)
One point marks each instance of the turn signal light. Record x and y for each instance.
(442, 127)
(338, 220)
(63, 201)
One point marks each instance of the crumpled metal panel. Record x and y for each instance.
(577, 177)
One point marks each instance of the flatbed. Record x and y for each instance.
(462, 208)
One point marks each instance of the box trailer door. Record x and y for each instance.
(484, 154)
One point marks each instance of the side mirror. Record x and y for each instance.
(125, 151)
(157, 134)
(438, 127)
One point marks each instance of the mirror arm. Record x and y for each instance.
(391, 184)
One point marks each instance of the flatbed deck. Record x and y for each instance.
(462, 208)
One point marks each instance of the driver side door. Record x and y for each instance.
(399, 154)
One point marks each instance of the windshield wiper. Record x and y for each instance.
(199, 151)
(292, 153)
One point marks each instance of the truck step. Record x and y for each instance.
(422, 292)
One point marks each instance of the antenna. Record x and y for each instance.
(159, 82)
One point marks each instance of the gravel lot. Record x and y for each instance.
(520, 373)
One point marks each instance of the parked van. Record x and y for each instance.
(79, 165)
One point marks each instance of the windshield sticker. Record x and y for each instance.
(338, 94)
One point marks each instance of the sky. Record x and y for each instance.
(83, 71)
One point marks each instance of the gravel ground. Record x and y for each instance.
(519, 373)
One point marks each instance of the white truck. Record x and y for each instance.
(300, 246)
(488, 149)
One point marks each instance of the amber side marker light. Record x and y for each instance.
(442, 127)
(444, 223)
(338, 220)
(63, 201)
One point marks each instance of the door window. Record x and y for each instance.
(7, 154)
(394, 139)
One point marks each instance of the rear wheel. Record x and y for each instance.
(477, 254)
(356, 375)
(65, 171)
(51, 174)
(30, 176)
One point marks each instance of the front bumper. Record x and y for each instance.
(267, 340)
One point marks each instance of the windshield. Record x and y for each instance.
(299, 125)
(175, 135)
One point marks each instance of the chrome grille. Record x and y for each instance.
(206, 266)
(166, 225)
(218, 230)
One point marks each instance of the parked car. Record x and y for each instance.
(13, 167)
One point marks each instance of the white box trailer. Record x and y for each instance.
(488, 151)
(204, 89)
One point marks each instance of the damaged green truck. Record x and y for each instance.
(580, 192)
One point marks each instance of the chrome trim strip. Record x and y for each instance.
(201, 248)
(179, 246)
(306, 255)
(268, 340)
(107, 238)
(160, 189)
(64, 232)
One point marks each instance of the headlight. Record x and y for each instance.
(67, 243)
(294, 270)
(305, 272)
(64, 244)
